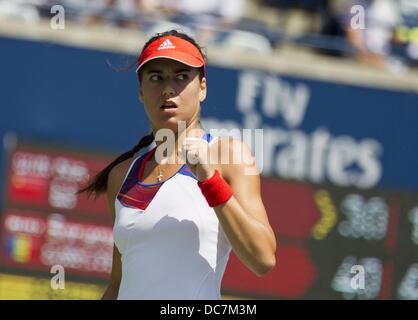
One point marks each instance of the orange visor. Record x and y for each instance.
(174, 48)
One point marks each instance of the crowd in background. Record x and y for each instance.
(388, 36)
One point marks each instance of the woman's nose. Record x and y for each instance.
(168, 89)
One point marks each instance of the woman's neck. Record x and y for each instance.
(170, 154)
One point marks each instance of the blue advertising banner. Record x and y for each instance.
(319, 131)
(313, 131)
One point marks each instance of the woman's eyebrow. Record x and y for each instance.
(175, 71)
(153, 71)
(182, 70)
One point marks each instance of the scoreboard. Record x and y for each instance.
(329, 238)
(45, 223)
(332, 242)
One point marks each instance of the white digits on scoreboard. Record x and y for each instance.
(413, 217)
(358, 278)
(367, 219)
(408, 289)
(67, 176)
(62, 194)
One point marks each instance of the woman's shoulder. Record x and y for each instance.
(117, 175)
(237, 152)
(235, 148)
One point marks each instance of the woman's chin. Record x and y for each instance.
(173, 124)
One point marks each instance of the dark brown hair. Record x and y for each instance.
(99, 183)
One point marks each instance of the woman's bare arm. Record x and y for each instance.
(243, 217)
(115, 180)
(112, 289)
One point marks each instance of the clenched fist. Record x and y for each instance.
(197, 153)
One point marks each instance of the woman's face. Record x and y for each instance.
(171, 92)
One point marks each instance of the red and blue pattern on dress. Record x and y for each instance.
(133, 193)
(137, 195)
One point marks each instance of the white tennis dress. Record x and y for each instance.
(171, 241)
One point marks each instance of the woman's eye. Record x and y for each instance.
(155, 77)
(182, 76)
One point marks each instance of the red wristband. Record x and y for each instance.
(215, 189)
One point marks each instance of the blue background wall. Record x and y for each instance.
(71, 97)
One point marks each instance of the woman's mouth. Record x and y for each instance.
(169, 105)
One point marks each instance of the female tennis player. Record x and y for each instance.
(175, 222)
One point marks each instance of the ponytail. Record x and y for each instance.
(99, 183)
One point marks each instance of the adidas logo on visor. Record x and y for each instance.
(166, 45)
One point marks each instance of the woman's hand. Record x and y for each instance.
(197, 153)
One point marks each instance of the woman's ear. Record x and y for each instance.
(203, 90)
